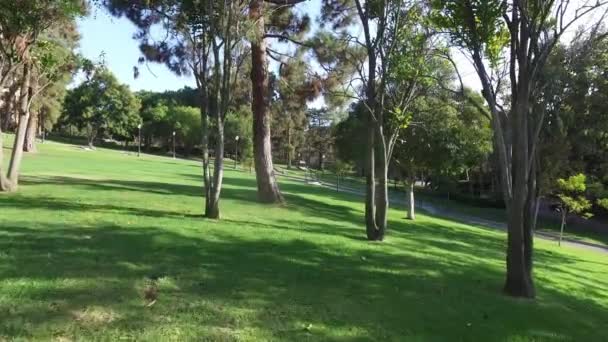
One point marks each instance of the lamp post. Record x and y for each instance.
(173, 144)
(139, 140)
(236, 151)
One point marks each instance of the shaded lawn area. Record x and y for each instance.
(88, 230)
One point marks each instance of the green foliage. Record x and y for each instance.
(603, 203)
(54, 62)
(574, 90)
(102, 105)
(239, 122)
(186, 122)
(23, 21)
(572, 195)
(349, 135)
(477, 25)
(573, 184)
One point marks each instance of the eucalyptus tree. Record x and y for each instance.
(513, 39)
(390, 67)
(21, 25)
(205, 39)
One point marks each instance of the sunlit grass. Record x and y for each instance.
(88, 231)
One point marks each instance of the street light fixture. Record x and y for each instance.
(236, 152)
(139, 140)
(173, 144)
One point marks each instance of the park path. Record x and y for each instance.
(453, 215)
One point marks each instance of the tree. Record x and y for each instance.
(319, 134)
(238, 123)
(571, 194)
(53, 62)
(270, 19)
(528, 31)
(349, 135)
(574, 87)
(205, 39)
(288, 106)
(391, 63)
(187, 124)
(21, 24)
(101, 105)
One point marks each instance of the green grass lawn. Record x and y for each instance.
(87, 231)
(441, 201)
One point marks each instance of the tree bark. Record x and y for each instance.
(14, 167)
(370, 183)
(411, 213)
(518, 281)
(218, 173)
(268, 189)
(205, 149)
(30, 135)
(382, 187)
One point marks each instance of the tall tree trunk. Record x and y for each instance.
(205, 149)
(218, 173)
(370, 183)
(563, 225)
(382, 188)
(30, 135)
(24, 113)
(518, 282)
(91, 137)
(530, 216)
(289, 148)
(3, 181)
(268, 189)
(411, 213)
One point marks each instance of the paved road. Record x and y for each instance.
(453, 215)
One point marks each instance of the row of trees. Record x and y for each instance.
(408, 101)
(208, 41)
(396, 68)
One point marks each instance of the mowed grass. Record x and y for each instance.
(87, 231)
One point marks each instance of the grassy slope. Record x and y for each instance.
(496, 215)
(79, 240)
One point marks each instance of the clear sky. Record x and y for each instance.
(112, 37)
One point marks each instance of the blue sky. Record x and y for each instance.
(112, 37)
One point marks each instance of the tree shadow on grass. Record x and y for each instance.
(283, 289)
(311, 201)
(428, 282)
